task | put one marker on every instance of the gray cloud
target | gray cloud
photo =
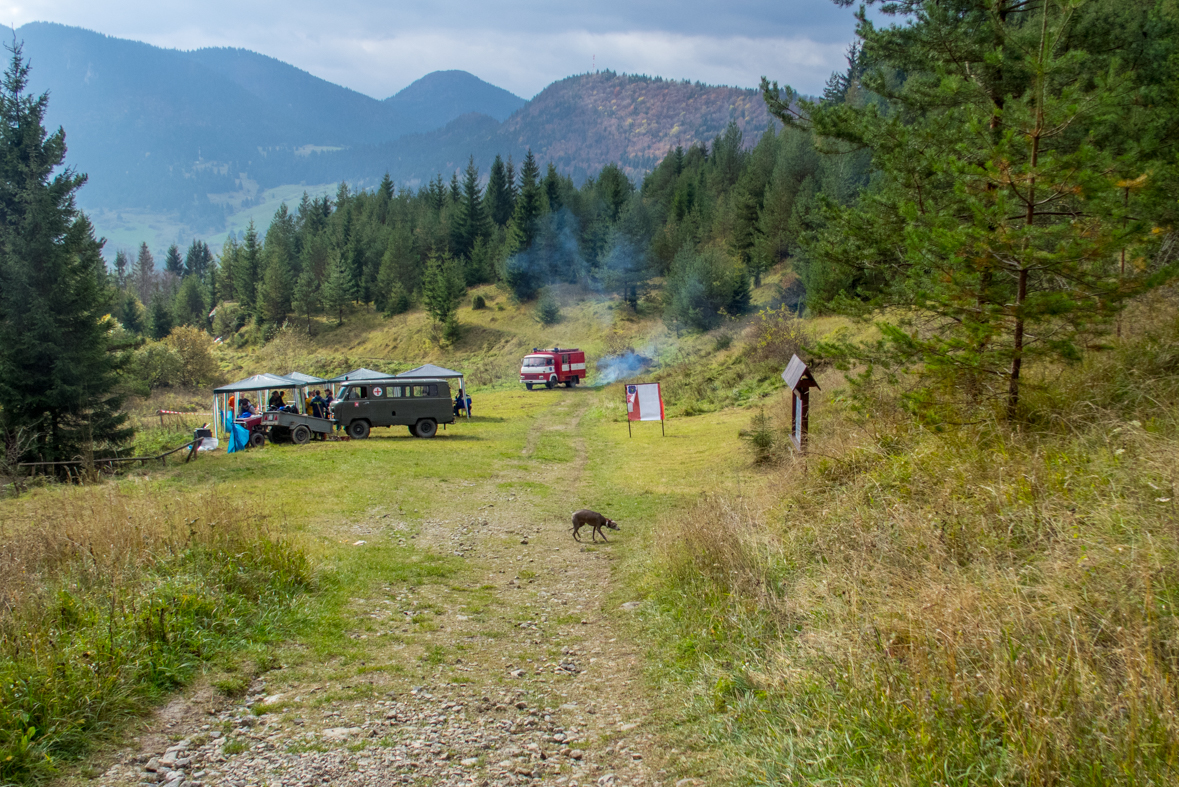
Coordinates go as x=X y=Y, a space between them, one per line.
x=522 y=45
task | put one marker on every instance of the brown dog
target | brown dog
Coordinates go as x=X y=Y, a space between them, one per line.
x=595 y=520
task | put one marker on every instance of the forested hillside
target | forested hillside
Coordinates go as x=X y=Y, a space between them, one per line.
x=708 y=221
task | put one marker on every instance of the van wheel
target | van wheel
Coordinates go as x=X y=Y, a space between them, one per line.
x=427 y=427
x=413 y=430
x=257 y=440
x=528 y=386
x=301 y=435
x=358 y=430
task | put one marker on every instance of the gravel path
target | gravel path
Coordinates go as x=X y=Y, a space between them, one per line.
x=517 y=672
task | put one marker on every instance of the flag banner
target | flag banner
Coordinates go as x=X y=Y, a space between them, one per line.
x=644 y=402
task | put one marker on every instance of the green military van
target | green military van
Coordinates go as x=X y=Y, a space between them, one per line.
x=420 y=404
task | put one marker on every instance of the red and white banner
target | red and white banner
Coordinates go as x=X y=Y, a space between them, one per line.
x=644 y=402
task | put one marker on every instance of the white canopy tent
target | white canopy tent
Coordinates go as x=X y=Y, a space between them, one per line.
x=265 y=383
x=438 y=372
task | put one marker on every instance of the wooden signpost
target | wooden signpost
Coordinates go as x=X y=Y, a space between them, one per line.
x=800 y=381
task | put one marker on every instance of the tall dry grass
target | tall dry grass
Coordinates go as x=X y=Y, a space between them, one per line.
x=111 y=595
x=991 y=605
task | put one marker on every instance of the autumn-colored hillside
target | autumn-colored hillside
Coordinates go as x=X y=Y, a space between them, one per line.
x=584 y=122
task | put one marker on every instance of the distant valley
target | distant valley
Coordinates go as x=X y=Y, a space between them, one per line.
x=180 y=144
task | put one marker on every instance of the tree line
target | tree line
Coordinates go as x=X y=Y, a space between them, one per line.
x=710 y=219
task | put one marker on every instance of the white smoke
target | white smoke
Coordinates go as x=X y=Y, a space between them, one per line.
x=613 y=368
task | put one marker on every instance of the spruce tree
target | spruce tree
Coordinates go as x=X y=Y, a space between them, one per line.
x=122 y=269
x=173 y=262
x=246 y=270
x=442 y=291
x=470 y=221
x=159 y=317
x=190 y=306
x=278 y=284
x=339 y=290
x=57 y=374
x=199 y=260
x=498 y=199
x=143 y=274
x=306 y=298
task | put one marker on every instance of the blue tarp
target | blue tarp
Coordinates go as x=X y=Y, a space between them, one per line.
x=237 y=437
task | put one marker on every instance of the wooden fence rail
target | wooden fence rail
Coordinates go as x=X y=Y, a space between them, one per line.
x=110 y=463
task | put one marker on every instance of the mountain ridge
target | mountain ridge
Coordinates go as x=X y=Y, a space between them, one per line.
x=197 y=134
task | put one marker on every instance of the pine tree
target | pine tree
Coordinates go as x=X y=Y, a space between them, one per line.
x=122 y=266
x=339 y=290
x=246 y=270
x=57 y=374
x=159 y=317
x=442 y=291
x=143 y=274
x=190 y=307
x=199 y=260
x=173 y=262
x=497 y=201
x=528 y=207
x=230 y=254
x=470 y=222
x=1001 y=198
x=306 y=297
x=522 y=273
x=456 y=191
x=278 y=284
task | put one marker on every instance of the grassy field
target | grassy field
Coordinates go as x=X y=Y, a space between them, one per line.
x=992 y=604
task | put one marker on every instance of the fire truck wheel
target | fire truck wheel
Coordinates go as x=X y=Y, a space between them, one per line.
x=358 y=430
x=552 y=383
x=257 y=440
x=569 y=383
x=528 y=386
x=301 y=435
x=427 y=427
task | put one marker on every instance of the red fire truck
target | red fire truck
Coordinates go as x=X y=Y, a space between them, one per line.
x=552 y=367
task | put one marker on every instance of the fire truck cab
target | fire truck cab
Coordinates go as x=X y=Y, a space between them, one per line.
x=552 y=367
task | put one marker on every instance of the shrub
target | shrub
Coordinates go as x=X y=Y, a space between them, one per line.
x=478 y=302
x=156 y=365
x=195 y=349
x=704 y=286
x=760 y=437
x=548 y=311
x=228 y=319
x=399 y=300
x=775 y=336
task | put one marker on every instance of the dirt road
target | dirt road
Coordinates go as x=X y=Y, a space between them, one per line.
x=514 y=669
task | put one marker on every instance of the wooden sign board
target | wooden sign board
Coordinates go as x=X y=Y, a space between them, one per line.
x=800 y=381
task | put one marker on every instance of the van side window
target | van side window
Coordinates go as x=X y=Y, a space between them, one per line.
x=421 y=390
x=362 y=392
x=393 y=391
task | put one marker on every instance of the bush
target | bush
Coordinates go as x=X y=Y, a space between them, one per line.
x=704 y=286
x=548 y=311
x=399 y=300
x=761 y=437
x=777 y=335
x=156 y=365
x=195 y=349
x=478 y=302
x=228 y=319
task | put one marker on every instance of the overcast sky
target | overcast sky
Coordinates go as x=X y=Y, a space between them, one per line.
x=378 y=47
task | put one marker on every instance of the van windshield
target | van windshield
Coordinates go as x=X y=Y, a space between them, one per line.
x=537 y=362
